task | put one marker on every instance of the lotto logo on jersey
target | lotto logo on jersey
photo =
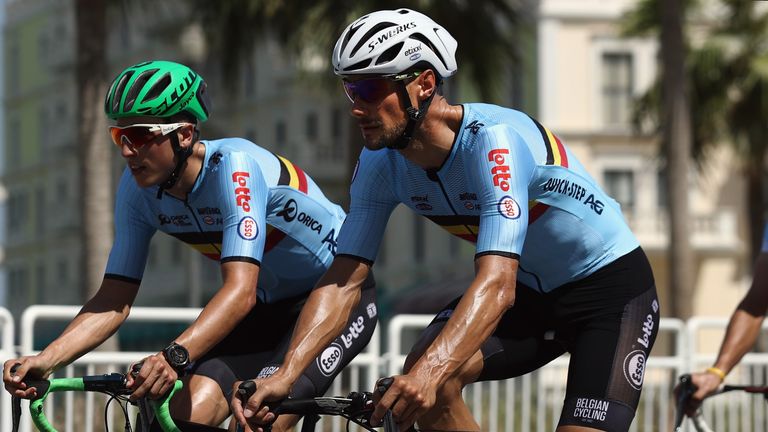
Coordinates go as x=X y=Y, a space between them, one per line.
x=509 y=208
x=247 y=228
x=329 y=359
x=242 y=193
x=500 y=169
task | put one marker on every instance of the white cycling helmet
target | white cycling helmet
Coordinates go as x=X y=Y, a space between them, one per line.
x=390 y=42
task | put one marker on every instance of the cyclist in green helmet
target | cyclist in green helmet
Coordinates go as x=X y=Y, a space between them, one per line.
x=236 y=203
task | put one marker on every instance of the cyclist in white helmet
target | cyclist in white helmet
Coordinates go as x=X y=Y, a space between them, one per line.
x=557 y=268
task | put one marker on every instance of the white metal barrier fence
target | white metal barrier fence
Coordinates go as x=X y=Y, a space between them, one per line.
x=357 y=375
x=533 y=402
x=737 y=411
x=529 y=403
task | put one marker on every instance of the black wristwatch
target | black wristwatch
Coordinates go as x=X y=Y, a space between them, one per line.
x=177 y=356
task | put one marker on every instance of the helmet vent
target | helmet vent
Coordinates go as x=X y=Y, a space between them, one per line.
x=157 y=88
x=389 y=54
x=352 y=30
x=136 y=88
x=423 y=39
x=359 y=65
x=118 y=95
x=375 y=29
x=202 y=97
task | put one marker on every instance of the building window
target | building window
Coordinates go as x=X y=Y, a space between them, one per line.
x=617 y=88
x=41 y=294
x=14 y=144
x=19 y=293
x=280 y=135
x=43 y=48
x=14 y=64
x=311 y=126
x=337 y=145
x=44 y=133
x=17 y=210
x=620 y=185
x=336 y=123
x=40 y=212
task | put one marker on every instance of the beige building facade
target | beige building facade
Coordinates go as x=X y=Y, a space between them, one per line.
x=588 y=76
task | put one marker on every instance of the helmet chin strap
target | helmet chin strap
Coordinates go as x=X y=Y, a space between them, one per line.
x=414 y=116
x=181 y=154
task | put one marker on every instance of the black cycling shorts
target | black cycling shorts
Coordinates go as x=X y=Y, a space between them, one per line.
x=608 y=323
x=257 y=346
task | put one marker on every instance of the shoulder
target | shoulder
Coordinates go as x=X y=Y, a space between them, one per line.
x=489 y=126
x=230 y=154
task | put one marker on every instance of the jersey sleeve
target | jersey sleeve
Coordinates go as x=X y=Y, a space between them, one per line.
x=133 y=233
x=503 y=167
x=243 y=195
x=372 y=202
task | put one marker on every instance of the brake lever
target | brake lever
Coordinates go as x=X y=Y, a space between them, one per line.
x=686 y=391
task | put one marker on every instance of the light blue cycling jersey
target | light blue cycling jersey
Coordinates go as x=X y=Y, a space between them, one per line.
x=247 y=205
x=510 y=186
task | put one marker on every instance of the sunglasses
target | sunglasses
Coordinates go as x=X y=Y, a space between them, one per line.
x=137 y=136
x=373 y=90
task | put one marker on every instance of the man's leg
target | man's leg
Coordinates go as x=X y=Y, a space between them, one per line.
x=518 y=346
x=200 y=401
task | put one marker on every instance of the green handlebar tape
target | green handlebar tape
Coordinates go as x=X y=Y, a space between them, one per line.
x=161 y=407
x=36 y=406
x=162 y=411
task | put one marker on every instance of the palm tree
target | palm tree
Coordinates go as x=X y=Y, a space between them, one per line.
x=668 y=104
x=676 y=124
x=728 y=77
x=95 y=154
x=489 y=41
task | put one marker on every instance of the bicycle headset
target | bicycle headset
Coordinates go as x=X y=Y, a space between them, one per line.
x=390 y=42
x=160 y=89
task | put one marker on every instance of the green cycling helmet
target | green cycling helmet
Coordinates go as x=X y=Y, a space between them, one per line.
x=157 y=89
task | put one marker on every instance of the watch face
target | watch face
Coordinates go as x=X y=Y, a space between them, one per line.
x=177 y=356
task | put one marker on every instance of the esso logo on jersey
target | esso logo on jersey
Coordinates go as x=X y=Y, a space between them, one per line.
x=634 y=368
x=500 y=169
x=247 y=228
x=509 y=208
x=242 y=193
x=329 y=359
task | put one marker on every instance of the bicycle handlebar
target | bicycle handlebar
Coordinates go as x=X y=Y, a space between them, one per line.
x=356 y=407
x=113 y=383
x=687 y=389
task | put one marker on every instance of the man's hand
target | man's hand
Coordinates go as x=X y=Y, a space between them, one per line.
x=706 y=384
x=409 y=397
x=254 y=413
x=155 y=378
x=33 y=367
